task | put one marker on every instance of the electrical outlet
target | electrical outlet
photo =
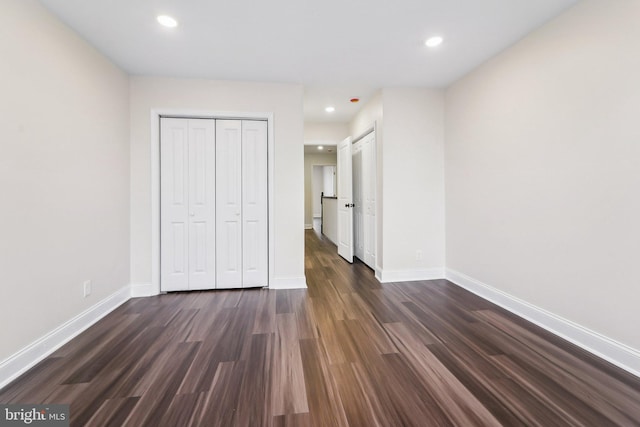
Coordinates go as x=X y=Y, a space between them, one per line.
x=418 y=255
x=86 y=287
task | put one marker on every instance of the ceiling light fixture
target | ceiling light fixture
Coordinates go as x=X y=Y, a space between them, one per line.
x=167 y=21
x=434 y=41
x=320 y=147
x=330 y=109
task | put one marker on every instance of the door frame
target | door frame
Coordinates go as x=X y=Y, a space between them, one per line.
x=156 y=114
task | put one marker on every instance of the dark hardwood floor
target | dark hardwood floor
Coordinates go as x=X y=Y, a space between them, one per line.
x=346 y=352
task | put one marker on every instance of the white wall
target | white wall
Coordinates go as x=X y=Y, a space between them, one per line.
x=283 y=100
x=413 y=184
x=317 y=184
x=325 y=133
x=542 y=170
x=309 y=161
x=64 y=174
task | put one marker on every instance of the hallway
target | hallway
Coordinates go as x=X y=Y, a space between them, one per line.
x=347 y=351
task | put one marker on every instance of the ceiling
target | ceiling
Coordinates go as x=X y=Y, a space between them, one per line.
x=338 y=49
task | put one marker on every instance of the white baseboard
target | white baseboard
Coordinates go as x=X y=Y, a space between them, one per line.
x=308 y=226
x=17 y=364
x=608 y=349
x=409 y=275
x=288 y=283
x=143 y=290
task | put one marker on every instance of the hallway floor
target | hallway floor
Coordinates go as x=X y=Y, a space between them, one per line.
x=347 y=351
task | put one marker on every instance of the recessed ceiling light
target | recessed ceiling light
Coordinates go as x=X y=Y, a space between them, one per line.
x=330 y=109
x=434 y=41
x=320 y=147
x=167 y=21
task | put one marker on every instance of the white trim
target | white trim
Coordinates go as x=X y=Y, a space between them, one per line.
x=365 y=133
x=388 y=276
x=378 y=273
x=155 y=180
x=608 y=349
x=143 y=290
x=308 y=227
x=289 y=283
x=17 y=364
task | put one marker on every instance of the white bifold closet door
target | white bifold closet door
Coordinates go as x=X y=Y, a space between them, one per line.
x=369 y=198
x=364 y=198
x=213 y=204
x=358 y=211
x=187 y=204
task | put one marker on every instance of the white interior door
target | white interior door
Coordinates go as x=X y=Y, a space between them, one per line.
x=345 y=200
x=254 y=204
x=229 y=203
x=187 y=225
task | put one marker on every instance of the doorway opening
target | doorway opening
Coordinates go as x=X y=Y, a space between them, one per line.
x=323 y=185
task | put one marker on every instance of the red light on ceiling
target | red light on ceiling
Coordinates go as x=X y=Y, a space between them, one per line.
x=354 y=100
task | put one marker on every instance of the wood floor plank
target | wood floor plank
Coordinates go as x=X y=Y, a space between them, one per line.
x=325 y=406
x=113 y=412
x=152 y=405
x=220 y=407
x=254 y=408
x=347 y=351
x=288 y=393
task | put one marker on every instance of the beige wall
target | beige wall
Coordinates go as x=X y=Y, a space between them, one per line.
x=413 y=183
x=410 y=170
x=309 y=161
x=542 y=170
x=64 y=174
x=283 y=100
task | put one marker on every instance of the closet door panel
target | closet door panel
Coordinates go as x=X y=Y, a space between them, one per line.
x=254 y=203
x=369 y=198
x=229 y=203
x=202 y=208
x=174 y=205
